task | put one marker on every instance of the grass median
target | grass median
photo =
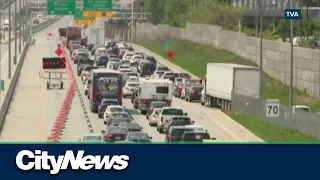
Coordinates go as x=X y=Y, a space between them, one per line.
x=44 y=24
x=194 y=57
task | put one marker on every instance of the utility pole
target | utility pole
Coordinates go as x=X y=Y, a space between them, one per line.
x=261 y=49
x=15 y=32
x=291 y=62
x=132 y=21
x=20 y=24
x=23 y=24
x=9 y=39
x=1 y=3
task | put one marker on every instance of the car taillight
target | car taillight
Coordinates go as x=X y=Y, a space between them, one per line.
x=94 y=97
x=126 y=88
x=109 y=136
x=170 y=138
x=169 y=101
x=151 y=109
x=193 y=93
x=154 y=116
x=145 y=101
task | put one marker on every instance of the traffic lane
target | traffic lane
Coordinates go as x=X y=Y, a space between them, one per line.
x=97 y=123
x=31 y=100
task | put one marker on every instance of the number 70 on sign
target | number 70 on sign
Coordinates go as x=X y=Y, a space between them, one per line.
x=272 y=108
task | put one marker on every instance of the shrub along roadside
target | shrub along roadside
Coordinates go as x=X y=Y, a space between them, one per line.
x=194 y=57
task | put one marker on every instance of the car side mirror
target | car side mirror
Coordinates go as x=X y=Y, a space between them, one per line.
x=141 y=127
x=193 y=122
x=79 y=140
x=206 y=130
x=214 y=138
x=186 y=114
x=167 y=121
x=103 y=131
x=150 y=137
x=105 y=123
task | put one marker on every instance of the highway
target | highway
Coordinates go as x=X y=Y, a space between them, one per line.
x=78 y=125
x=24 y=121
x=33 y=108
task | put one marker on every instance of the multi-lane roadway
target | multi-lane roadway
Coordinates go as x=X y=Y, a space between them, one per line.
x=34 y=109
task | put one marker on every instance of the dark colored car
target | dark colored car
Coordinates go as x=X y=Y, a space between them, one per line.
x=80 y=55
x=175 y=133
x=116 y=118
x=114 y=133
x=147 y=68
x=132 y=127
x=139 y=137
x=177 y=121
x=102 y=61
x=81 y=67
x=151 y=59
x=104 y=105
x=163 y=68
x=85 y=61
x=184 y=75
x=155 y=104
x=193 y=93
x=195 y=136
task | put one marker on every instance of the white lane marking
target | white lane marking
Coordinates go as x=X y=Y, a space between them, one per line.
x=5 y=57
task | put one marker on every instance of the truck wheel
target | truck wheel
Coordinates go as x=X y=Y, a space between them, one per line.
x=48 y=85
x=143 y=112
x=202 y=103
x=61 y=85
x=160 y=130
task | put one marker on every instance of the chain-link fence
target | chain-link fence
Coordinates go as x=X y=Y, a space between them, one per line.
x=305 y=122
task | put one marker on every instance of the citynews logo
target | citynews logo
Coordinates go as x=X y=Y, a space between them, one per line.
x=41 y=160
x=292 y=14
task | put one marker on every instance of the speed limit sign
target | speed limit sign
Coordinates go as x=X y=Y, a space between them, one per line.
x=272 y=107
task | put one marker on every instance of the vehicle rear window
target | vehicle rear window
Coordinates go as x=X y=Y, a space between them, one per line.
x=120 y=116
x=151 y=59
x=195 y=137
x=179 y=132
x=116 y=109
x=184 y=75
x=181 y=121
x=132 y=74
x=120 y=130
x=111 y=102
x=138 y=136
x=159 y=105
x=172 y=111
x=197 y=89
x=89 y=68
x=162 y=90
x=132 y=85
x=130 y=125
x=92 y=138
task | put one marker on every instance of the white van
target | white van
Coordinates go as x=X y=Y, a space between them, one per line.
x=153 y=90
x=5 y=25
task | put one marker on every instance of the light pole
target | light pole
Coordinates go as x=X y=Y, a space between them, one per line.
x=291 y=62
x=9 y=39
x=15 y=32
x=261 y=49
x=20 y=24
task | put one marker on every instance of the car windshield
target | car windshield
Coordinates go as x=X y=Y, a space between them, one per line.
x=184 y=75
x=92 y=138
x=116 y=109
x=133 y=84
x=180 y=121
x=110 y=102
x=172 y=111
x=179 y=132
x=163 y=68
x=197 y=89
x=138 y=136
x=89 y=68
x=159 y=105
x=130 y=125
x=195 y=137
x=198 y=129
x=82 y=54
x=115 y=130
x=120 y=116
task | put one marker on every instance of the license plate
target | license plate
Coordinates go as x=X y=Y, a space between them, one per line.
x=118 y=138
x=198 y=137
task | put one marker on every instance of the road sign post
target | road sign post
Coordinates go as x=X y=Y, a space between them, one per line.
x=98 y=8
x=272 y=108
x=61 y=7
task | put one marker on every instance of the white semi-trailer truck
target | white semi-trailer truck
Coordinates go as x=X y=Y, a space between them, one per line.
x=223 y=79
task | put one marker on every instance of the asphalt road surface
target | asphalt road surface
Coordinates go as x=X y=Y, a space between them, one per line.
x=34 y=108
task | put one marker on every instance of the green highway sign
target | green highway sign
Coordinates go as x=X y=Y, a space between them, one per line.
x=61 y=7
x=79 y=15
x=97 y=5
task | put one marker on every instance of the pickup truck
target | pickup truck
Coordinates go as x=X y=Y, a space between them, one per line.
x=165 y=115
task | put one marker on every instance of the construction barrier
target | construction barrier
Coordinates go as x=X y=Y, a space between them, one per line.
x=60 y=121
